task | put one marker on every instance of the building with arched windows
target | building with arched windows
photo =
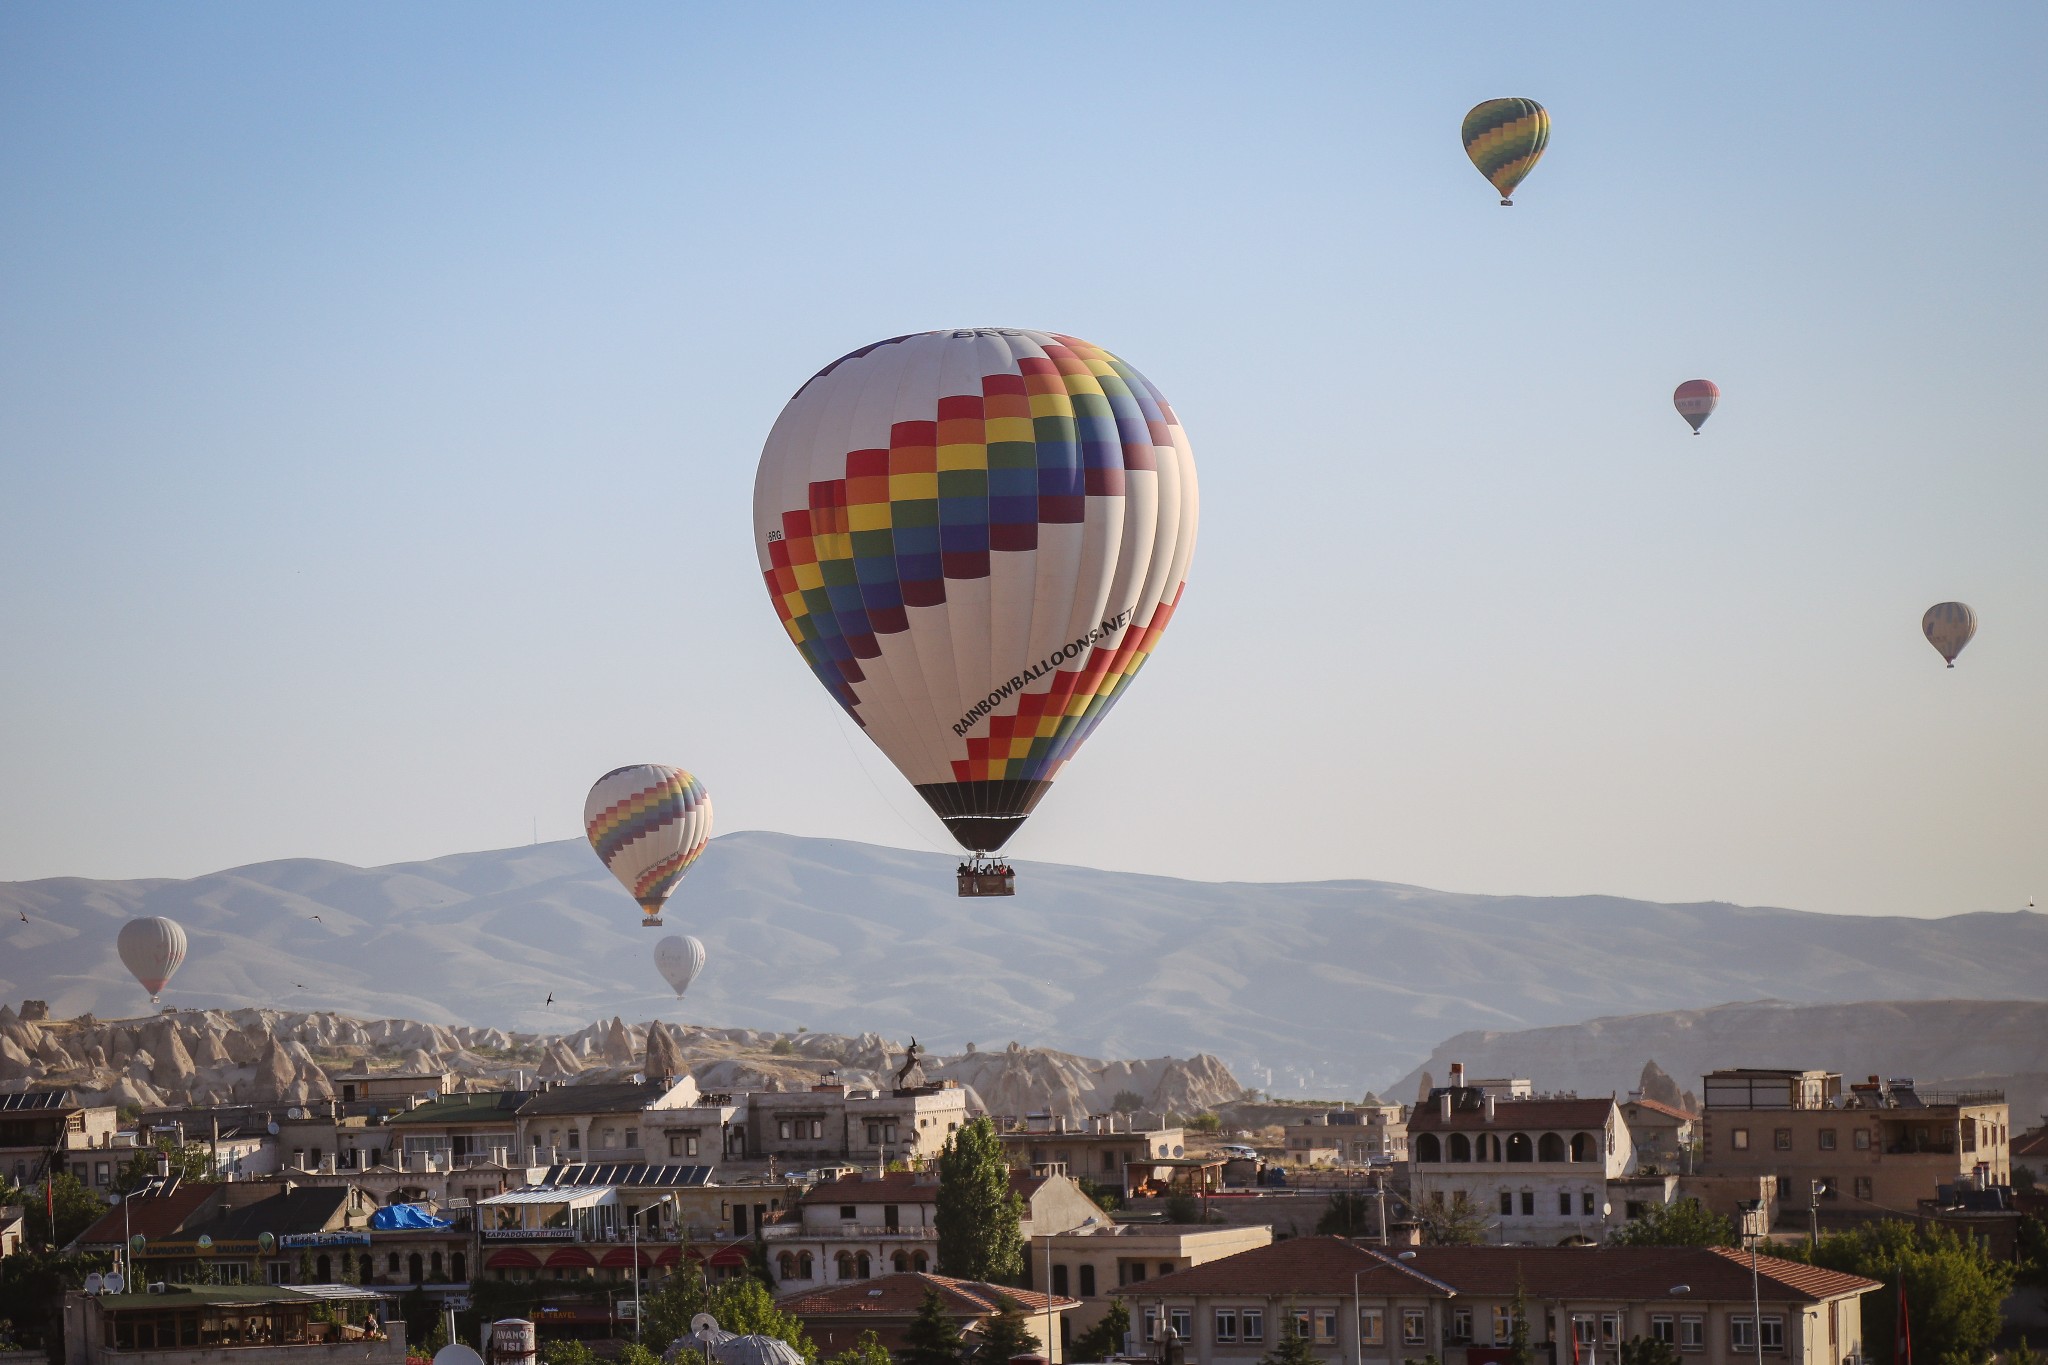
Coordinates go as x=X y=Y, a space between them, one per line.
x=1535 y=1172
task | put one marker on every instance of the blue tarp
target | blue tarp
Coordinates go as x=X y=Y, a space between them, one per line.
x=405 y=1217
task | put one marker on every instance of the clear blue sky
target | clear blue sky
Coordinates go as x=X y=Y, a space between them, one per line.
x=381 y=388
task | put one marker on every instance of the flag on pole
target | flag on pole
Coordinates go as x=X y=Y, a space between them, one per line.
x=1902 y=1349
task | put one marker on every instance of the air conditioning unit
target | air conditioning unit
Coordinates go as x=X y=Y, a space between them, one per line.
x=158 y=1288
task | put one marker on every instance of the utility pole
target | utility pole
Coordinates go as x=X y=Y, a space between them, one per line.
x=1813 y=1215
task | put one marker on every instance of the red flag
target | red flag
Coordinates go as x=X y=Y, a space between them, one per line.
x=1575 y=1342
x=1902 y=1349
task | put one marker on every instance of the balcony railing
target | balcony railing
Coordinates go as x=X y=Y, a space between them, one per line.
x=848 y=1232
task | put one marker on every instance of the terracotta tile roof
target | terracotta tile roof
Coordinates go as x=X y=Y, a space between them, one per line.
x=1299 y=1265
x=151 y=1215
x=1659 y=1107
x=2033 y=1143
x=1324 y=1266
x=1528 y=1115
x=902 y=1294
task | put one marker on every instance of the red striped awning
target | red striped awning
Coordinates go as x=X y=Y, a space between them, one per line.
x=621 y=1258
x=512 y=1258
x=731 y=1254
x=570 y=1257
x=669 y=1256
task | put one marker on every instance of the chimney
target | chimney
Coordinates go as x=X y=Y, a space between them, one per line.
x=1457 y=1075
x=1443 y=1105
x=1489 y=1106
x=163 y=1164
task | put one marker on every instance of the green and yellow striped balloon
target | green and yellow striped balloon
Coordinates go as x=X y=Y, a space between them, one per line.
x=1505 y=138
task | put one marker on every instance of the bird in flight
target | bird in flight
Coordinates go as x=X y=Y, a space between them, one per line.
x=300 y=984
x=551 y=1000
x=316 y=919
x=24 y=914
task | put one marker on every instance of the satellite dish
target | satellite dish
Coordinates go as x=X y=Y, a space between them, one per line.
x=273 y=1127
x=1180 y=1151
x=295 y=1113
x=457 y=1354
x=95 y=1283
x=703 y=1323
x=113 y=1281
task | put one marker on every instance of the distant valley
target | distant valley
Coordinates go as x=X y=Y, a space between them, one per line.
x=1319 y=988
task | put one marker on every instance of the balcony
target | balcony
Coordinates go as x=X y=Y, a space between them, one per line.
x=847 y=1232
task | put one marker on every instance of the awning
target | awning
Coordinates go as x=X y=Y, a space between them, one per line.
x=669 y=1256
x=512 y=1258
x=570 y=1257
x=733 y=1254
x=621 y=1258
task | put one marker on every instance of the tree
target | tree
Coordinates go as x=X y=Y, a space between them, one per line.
x=978 y=1213
x=1007 y=1334
x=1350 y=1213
x=1520 y=1352
x=1644 y=1351
x=1451 y=1225
x=1290 y=1344
x=567 y=1351
x=745 y=1307
x=419 y=1311
x=1953 y=1287
x=1184 y=1208
x=1206 y=1122
x=32 y=1285
x=665 y=1314
x=1105 y=1196
x=932 y=1338
x=867 y=1349
x=1126 y=1102
x=633 y=1353
x=1686 y=1223
x=78 y=1208
x=1105 y=1338
x=2032 y=1249
x=191 y=1162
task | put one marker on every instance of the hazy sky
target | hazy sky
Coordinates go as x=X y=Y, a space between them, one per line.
x=381 y=388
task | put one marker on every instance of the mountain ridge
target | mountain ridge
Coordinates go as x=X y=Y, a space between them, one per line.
x=1322 y=986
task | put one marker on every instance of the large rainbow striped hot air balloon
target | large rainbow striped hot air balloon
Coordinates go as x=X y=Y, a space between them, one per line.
x=648 y=823
x=1505 y=139
x=975 y=538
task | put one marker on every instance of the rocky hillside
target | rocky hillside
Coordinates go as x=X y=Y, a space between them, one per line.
x=1320 y=988
x=185 y=1057
x=1943 y=1044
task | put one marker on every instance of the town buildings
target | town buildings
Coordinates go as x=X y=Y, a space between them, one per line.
x=1102 y=1260
x=1375 y=1133
x=1875 y=1151
x=837 y=1316
x=830 y=1124
x=42 y=1128
x=1098 y=1150
x=1455 y=1304
x=329 y=1325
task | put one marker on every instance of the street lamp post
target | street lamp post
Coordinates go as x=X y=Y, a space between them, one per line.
x=1752 y=1224
x=665 y=1199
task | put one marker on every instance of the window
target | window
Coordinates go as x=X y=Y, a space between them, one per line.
x=1135 y=1272
x=1564 y=1202
x=817 y=1128
x=782 y=1129
x=1610 y=1328
x=1528 y=1203
x=1503 y=1324
x=1738 y=1139
x=1109 y=1161
x=1411 y=1327
x=1692 y=1332
x=1741 y=1334
x=1252 y=1323
x=1583 y=1328
x=874 y=1135
x=1860 y=1139
x=888 y=1132
x=575 y=1140
x=1151 y=1324
x=1372 y=1327
x=1586 y=1203
x=1774 y=1332
x=1461 y=1328
x=1226 y=1324
x=1507 y=1204
x=99 y=1173
x=1781 y=1139
x=632 y=1137
x=1663 y=1328
x=1862 y=1188
x=1181 y=1322
x=1059 y=1276
x=1827 y=1139
x=1326 y=1325
x=1166 y=1267
x=846 y=1213
x=1087 y=1281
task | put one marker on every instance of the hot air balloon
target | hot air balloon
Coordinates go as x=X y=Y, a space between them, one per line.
x=975 y=538
x=648 y=823
x=1948 y=626
x=151 y=949
x=1696 y=400
x=1505 y=139
x=679 y=958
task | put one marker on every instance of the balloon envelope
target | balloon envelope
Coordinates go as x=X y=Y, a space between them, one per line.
x=648 y=823
x=1696 y=400
x=1949 y=626
x=151 y=950
x=1505 y=139
x=679 y=958
x=975 y=538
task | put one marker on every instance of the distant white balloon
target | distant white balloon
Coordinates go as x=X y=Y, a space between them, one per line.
x=679 y=958
x=151 y=948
